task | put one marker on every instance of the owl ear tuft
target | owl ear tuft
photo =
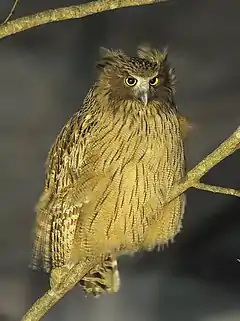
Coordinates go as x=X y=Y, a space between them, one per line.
x=104 y=52
x=165 y=53
x=153 y=55
x=108 y=57
x=144 y=50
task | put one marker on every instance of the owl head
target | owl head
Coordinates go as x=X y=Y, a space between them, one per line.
x=144 y=78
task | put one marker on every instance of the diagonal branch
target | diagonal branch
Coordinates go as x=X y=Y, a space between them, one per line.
x=217 y=189
x=51 y=297
x=66 y=13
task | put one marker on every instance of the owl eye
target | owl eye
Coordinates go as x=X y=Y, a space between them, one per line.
x=154 y=81
x=130 y=81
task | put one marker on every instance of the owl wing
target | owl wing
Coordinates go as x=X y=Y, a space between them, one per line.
x=56 y=221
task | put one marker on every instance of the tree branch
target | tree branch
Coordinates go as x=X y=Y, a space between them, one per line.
x=71 y=12
x=51 y=297
x=217 y=189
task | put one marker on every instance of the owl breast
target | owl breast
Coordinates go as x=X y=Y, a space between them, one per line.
x=129 y=169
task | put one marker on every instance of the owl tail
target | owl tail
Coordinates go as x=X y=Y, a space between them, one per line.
x=103 y=278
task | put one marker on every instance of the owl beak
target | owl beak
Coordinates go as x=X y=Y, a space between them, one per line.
x=143 y=96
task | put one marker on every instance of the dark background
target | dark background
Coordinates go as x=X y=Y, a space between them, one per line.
x=44 y=75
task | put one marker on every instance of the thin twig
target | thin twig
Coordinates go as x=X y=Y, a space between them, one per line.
x=217 y=189
x=11 y=12
x=71 y=12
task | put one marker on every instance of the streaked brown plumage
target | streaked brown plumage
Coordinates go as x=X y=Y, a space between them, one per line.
x=111 y=168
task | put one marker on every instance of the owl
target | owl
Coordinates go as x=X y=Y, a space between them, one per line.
x=111 y=169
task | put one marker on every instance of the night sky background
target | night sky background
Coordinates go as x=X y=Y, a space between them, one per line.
x=44 y=75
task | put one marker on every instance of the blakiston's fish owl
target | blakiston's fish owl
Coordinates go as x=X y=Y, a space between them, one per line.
x=111 y=168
